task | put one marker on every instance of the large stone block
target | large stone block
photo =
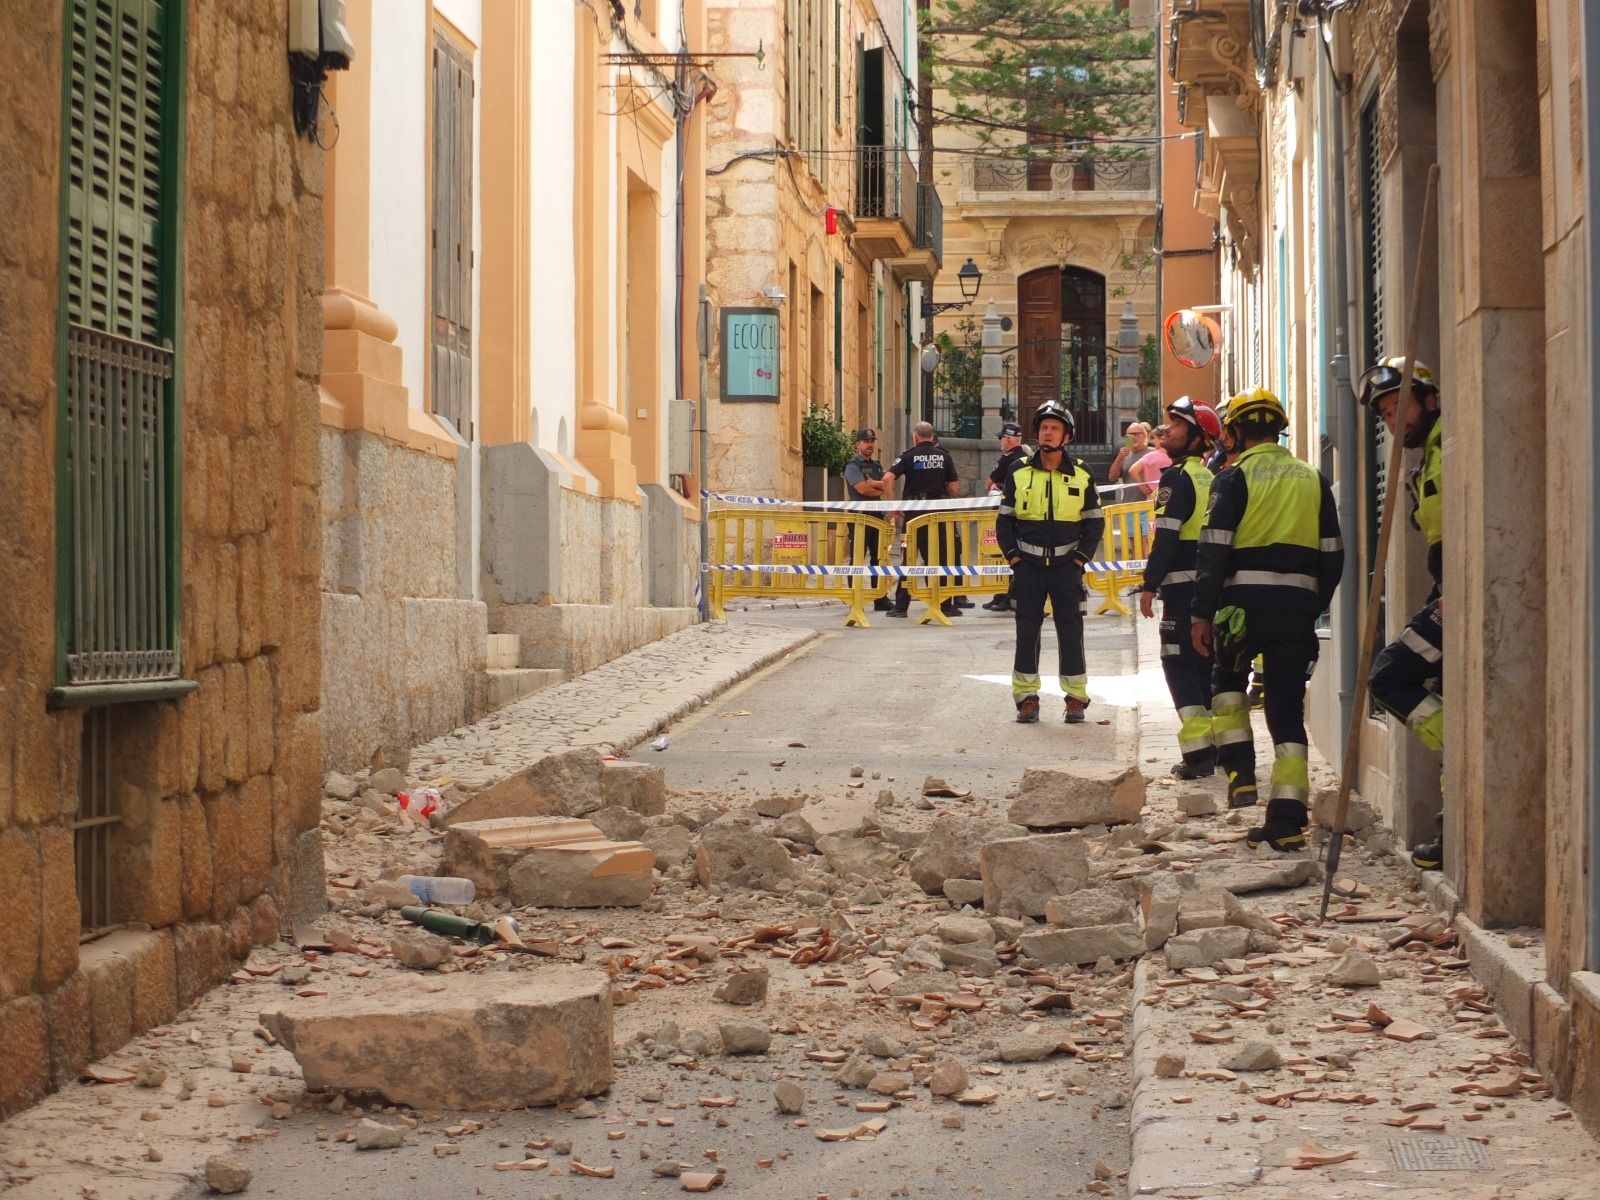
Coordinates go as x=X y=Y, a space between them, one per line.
x=222 y=821
x=202 y=960
x=567 y=784
x=639 y=786
x=261 y=707
x=155 y=976
x=1085 y=944
x=24 y=1054
x=255 y=837
x=66 y=1013
x=1206 y=947
x=1090 y=906
x=108 y=971
x=1078 y=794
x=558 y=862
x=952 y=847
x=835 y=816
x=197 y=865
x=236 y=717
x=1022 y=875
x=147 y=865
x=19 y=949
x=732 y=855
x=58 y=895
x=482 y=1042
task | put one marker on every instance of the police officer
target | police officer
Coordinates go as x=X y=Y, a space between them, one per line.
x=1181 y=501
x=930 y=474
x=1407 y=676
x=863 y=477
x=1048 y=527
x=1012 y=451
x=1269 y=560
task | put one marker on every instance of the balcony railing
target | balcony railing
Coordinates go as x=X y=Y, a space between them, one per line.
x=930 y=220
x=1055 y=176
x=886 y=185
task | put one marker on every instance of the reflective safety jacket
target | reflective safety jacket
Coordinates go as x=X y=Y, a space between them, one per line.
x=1181 y=505
x=1427 y=499
x=1272 y=536
x=1047 y=516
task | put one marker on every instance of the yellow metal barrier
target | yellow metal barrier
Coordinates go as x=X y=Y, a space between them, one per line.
x=1129 y=531
x=764 y=536
x=945 y=539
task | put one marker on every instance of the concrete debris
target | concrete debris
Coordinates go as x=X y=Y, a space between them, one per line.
x=743 y=987
x=790 y=1097
x=340 y=787
x=963 y=891
x=1355 y=968
x=952 y=848
x=837 y=816
x=565 y=784
x=387 y=781
x=639 y=787
x=948 y=1078
x=865 y=859
x=779 y=805
x=226 y=1176
x=745 y=1037
x=958 y=930
x=1359 y=816
x=1022 y=875
x=1090 y=906
x=1026 y=1047
x=389 y=893
x=1053 y=797
x=976 y=958
x=374 y=1135
x=1207 y=947
x=1159 y=901
x=1237 y=912
x=618 y=823
x=879 y=1046
x=588 y=873
x=1243 y=877
x=1055 y=947
x=1170 y=1065
x=935 y=786
x=419 y=951
x=1253 y=1056
x=673 y=845
x=489 y=853
x=1198 y=804
x=482 y=1041
x=733 y=854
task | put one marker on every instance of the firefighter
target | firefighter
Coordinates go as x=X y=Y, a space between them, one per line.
x=1408 y=675
x=1048 y=528
x=1269 y=560
x=1192 y=428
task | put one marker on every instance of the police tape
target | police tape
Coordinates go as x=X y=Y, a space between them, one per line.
x=1091 y=568
x=958 y=503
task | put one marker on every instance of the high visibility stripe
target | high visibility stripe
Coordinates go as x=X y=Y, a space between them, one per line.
x=1195 y=732
x=1217 y=537
x=1007 y=509
x=1030 y=548
x=1230 y=718
x=1178 y=577
x=1419 y=645
x=1426 y=720
x=1332 y=543
x=1291 y=776
x=1024 y=685
x=1168 y=523
x=1076 y=685
x=1271 y=579
x=1171 y=650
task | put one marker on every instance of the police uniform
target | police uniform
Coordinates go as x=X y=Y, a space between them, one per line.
x=1181 y=504
x=928 y=469
x=860 y=468
x=1048 y=527
x=1271 y=551
x=1408 y=676
x=1007 y=462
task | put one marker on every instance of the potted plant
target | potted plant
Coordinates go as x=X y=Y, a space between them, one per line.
x=958 y=381
x=825 y=448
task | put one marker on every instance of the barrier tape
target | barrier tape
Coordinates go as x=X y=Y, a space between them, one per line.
x=1093 y=568
x=991 y=500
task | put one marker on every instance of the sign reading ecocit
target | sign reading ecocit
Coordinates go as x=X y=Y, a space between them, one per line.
x=750 y=354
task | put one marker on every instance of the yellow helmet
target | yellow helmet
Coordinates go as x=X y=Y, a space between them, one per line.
x=1258 y=408
x=1385 y=376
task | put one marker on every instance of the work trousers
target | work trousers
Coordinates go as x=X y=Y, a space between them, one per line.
x=1062 y=584
x=1408 y=676
x=1286 y=640
x=1188 y=677
x=902 y=598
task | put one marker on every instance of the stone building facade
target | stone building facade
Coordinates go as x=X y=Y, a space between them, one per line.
x=160 y=723
x=815 y=220
x=1325 y=168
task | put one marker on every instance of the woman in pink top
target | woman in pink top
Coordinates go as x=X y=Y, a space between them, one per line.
x=1147 y=471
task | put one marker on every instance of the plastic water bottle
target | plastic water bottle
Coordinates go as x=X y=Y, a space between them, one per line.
x=437 y=889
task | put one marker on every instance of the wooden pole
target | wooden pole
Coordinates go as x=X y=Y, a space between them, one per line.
x=1391 y=497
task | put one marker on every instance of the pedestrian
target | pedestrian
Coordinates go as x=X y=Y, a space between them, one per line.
x=1049 y=527
x=1269 y=560
x=930 y=474
x=1135 y=445
x=1408 y=675
x=1012 y=451
x=1148 y=470
x=1181 y=504
x=863 y=476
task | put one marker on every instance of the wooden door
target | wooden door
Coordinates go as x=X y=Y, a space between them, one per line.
x=1038 y=341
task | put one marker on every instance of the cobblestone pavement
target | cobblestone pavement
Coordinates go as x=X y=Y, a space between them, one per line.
x=1201 y=1130
x=614 y=706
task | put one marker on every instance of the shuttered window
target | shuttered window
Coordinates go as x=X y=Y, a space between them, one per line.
x=451 y=370
x=1376 y=441
x=118 y=516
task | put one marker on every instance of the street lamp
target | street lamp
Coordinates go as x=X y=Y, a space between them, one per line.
x=971 y=280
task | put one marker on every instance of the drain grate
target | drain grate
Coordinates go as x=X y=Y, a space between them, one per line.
x=1438 y=1154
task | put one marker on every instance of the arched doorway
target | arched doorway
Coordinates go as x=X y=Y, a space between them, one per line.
x=1061 y=347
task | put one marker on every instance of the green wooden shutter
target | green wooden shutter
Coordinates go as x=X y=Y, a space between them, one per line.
x=117 y=508
x=452 y=235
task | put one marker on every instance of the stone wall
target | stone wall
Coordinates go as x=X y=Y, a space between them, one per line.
x=402 y=650
x=217 y=792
